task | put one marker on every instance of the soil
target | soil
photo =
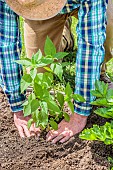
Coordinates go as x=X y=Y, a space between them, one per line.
x=37 y=154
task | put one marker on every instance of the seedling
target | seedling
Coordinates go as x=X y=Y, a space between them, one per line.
x=45 y=109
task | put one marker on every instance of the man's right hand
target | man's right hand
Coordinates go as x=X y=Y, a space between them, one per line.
x=21 y=123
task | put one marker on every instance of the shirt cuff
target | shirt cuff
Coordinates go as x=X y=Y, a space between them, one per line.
x=82 y=108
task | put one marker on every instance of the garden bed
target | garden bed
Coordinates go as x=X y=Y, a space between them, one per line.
x=37 y=154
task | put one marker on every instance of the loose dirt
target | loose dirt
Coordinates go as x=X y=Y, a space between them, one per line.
x=36 y=154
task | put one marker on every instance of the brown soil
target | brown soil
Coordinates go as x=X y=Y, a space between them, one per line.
x=34 y=154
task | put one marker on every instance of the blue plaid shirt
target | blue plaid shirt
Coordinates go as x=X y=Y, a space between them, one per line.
x=91 y=31
x=70 y=6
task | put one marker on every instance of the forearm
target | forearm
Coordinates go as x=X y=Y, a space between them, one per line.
x=91 y=36
x=10 y=48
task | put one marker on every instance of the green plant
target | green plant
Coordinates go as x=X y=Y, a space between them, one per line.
x=104 y=100
x=46 y=109
x=110 y=159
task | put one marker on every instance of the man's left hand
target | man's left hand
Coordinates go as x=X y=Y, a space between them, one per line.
x=67 y=129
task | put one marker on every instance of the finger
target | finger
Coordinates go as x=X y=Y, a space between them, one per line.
x=26 y=131
x=20 y=131
x=59 y=137
x=65 y=139
x=22 y=121
x=32 y=128
x=51 y=135
x=32 y=133
x=37 y=130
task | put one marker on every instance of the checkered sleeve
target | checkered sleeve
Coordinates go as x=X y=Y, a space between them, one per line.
x=10 y=47
x=70 y=6
x=91 y=36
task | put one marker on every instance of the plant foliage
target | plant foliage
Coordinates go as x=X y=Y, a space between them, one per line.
x=44 y=108
x=104 y=101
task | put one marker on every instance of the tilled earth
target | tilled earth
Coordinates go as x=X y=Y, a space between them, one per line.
x=37 y=154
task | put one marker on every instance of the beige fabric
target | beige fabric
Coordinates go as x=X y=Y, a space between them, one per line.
x=109 y=36
x=37 y=31
x=36 y=9
x=67 y=40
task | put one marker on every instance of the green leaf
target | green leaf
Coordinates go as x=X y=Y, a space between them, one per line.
x=96 y=93
x=60 y=98
x=46 y=95
x=53 y=124
x=57 y=69
x=34 y=116
x=103 y=133
x=109 y=95
x=53 y=106
x=33 y=73
x=44 y=107
x=38 y=79
x=110 y=160
x=25 y=82
x=64 y=64
x=24 y=62
x=100 y=102
x=78 y=98
x=101 y=87
x=60 y=55
x=111 y=109
x=67 y=98
x=105 y=87
x=47 y=80
x=71 y=106
x=27 y=110
x=36 y=57
x=104 y=112
x=48 y=69
x=66 y=117
x=108 y=141
x=87 y=134
x=31 y=97
x=38 y=90
x=49 y=48
x=43 y=119
x=98 y=131
x=27 y=78
x=25 y=103
x=34 y=105
x=68 y=90
x=29 y=123
x=45 y=61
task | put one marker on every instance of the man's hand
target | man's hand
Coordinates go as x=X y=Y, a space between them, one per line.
x=67 y=129
x=21 y=123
